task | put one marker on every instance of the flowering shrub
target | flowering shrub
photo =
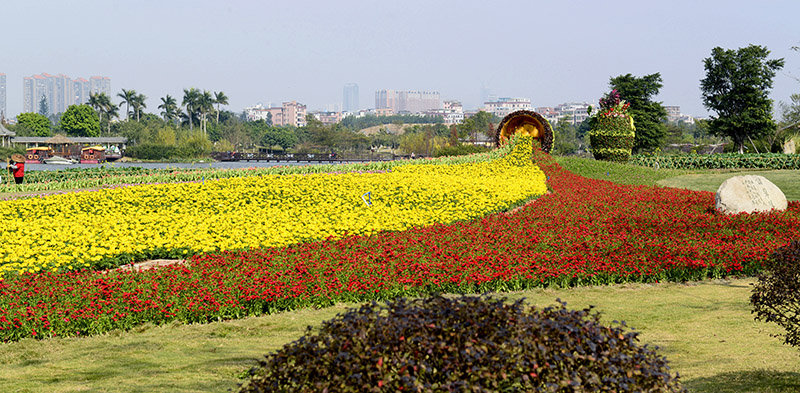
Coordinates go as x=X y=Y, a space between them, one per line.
x=612 y=134
x=582 y=233
x=113 y=226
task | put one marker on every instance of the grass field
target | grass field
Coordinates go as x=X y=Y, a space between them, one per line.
x=705 y=330
x=787 y=180
x=699 y=180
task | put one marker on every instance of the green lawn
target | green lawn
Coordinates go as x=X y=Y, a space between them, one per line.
x=787 y=180
x=701 y=180
x=705 y=330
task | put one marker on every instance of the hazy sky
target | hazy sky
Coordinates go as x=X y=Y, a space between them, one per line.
x=269 y=51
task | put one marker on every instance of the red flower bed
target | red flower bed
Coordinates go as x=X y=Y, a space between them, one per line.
x=585 y=232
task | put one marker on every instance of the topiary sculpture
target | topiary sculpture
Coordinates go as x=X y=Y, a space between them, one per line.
x=612 y=131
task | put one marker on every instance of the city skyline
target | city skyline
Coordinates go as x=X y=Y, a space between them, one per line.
x=466 y=50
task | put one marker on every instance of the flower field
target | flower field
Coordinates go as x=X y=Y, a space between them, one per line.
x=110 y=227
x=585 y=232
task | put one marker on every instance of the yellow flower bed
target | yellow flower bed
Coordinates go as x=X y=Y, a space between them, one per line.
x=77 y=230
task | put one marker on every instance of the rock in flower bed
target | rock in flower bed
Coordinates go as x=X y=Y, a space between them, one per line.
x=585 y=232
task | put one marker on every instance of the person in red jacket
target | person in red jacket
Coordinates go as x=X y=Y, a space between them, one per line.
x=17 y=167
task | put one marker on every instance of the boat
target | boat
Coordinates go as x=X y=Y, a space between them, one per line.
x=57 y=160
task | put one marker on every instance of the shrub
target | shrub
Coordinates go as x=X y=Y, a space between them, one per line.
x=776 y=294
x=720 y=161
x=460 y=150
x=148 y=151
x=464 y=344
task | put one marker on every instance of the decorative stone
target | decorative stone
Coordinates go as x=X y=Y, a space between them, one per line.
x=748 y=194
x=789 y=147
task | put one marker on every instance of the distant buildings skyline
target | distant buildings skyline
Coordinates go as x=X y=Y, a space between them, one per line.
x=59 y=91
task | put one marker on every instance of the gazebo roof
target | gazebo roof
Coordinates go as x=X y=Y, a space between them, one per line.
x=5 y=132
x=59 y=140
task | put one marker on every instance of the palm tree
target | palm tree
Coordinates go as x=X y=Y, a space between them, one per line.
x=170 y=108
x=205 y=104
x=220 y=99
x=138 y=103
x=103 y=105
x=190 y=98
x=95 y=101
x=111 y=110
x=128 y=98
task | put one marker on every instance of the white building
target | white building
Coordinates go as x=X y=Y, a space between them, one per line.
x=505 y=105
x=452 y=113
x=577 y=112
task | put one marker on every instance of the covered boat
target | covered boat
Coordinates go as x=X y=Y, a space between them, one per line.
x=93 y=155
x=35 y=155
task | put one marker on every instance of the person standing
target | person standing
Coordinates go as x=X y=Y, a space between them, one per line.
x=17 y=167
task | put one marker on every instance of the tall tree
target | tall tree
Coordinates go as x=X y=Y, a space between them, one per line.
x=190 y=97
x=736 y=87
x=649 y=116
x=80 y=120
x=43 y=109
x=220 y=99
x=169 y=108
x=205 y=104
x=128 y=98
x=138 y=103
x=35 y=123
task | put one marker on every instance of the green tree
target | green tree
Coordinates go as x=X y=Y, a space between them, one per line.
x=128 y=98
x=43 y=108
x=169 y=108
x=205 y=104
x=190 y=98
x=482 y=122
x=736 y=87
x=649 y=116
x=220 y=99
x=80 y=120
x=37 y=124
x=280 y=136
x=566 y=137
x=138 y=103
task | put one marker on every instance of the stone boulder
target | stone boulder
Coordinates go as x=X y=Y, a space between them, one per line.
x=790 y=147
x=748 y=194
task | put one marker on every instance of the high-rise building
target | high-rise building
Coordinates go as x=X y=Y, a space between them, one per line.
x=80 y=91
x=408 y=101
x=350 y=98
x=100 y=84
x=3 y=113
x=59 y=91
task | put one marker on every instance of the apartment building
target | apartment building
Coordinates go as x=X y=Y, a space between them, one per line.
x=505 y=105
x=408 y=102
x=59 y=91
x=291 y=113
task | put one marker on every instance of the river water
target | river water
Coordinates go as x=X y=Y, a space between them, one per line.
x=175 y=165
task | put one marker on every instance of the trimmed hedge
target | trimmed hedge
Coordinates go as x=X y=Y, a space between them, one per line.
x=464 y=344
x=720 y=161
